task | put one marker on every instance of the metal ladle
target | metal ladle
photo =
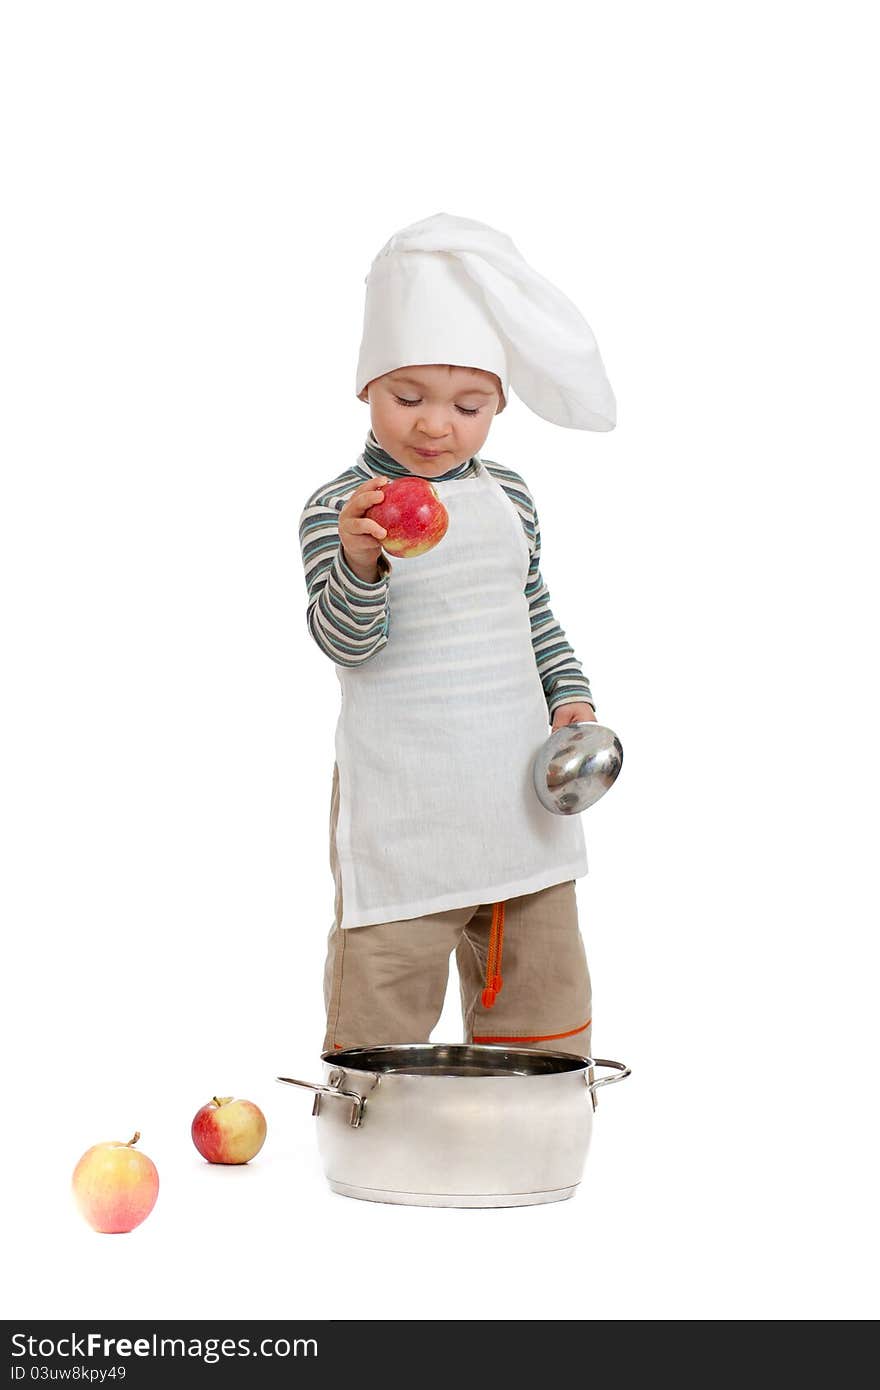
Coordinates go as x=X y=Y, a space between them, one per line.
x=576 y=766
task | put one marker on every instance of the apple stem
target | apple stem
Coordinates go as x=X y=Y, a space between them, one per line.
x=134 y=1139
x=221 y=1100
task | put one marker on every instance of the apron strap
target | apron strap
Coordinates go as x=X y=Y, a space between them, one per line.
x=494 y=981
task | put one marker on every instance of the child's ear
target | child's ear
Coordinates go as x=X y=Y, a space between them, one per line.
x=496 y=380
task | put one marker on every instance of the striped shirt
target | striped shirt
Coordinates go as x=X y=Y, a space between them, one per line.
x=350 y=619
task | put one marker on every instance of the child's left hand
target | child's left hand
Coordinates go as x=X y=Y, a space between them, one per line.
x=572 y=714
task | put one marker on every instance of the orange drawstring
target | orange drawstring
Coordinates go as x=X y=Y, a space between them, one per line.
x=494 y=981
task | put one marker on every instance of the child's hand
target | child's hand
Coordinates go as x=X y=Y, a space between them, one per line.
x=360 y=537
x=573 y=714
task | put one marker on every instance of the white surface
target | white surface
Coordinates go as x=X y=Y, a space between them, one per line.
x=196 y=191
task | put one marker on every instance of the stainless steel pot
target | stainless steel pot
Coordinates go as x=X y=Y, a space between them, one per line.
x=455 y=1125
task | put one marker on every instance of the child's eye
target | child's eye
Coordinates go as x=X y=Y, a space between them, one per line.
x=401 y=400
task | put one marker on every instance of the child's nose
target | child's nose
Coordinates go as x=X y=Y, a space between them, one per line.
x=435 y=422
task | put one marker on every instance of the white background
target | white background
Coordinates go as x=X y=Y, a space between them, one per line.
x=194 y=193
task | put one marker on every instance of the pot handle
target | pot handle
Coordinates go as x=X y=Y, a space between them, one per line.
x=623 y=1071
x=356 y=1101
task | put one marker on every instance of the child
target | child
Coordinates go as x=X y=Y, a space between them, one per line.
x=451 y=662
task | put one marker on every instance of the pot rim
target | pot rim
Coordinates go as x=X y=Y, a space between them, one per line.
x=368 y=1061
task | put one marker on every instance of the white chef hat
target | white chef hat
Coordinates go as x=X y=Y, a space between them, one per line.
x=451 y=290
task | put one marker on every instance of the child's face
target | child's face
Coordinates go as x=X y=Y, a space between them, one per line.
x=444 y=410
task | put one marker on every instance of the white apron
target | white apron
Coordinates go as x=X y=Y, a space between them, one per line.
x=437 y=732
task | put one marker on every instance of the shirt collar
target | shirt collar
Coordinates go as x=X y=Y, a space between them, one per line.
x=378 y=462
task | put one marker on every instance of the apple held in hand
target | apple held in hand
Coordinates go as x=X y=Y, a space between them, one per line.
x=115 y=1186
x=412 y=514
x=229 y=1131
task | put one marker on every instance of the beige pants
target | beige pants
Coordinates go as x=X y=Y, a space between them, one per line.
x=387 y=983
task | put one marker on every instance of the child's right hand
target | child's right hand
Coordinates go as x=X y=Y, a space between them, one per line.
x=360 y=538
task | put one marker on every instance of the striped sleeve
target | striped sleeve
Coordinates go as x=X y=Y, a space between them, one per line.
x=561 y=673
x=347 y=617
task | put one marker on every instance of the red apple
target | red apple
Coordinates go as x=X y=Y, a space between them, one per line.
x=115 y=1186
x=413 y=516
x=229 y=1131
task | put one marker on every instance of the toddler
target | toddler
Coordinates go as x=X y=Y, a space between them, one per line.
x=452 y=664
